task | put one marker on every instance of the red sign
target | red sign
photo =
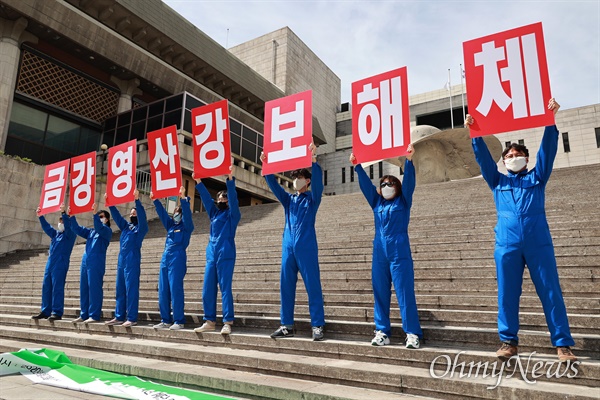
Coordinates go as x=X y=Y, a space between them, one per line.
x=120 y=182
x=288 y=133
x=507 y=81
x=380 y=119
x=83 y=183
x=165 y=166
x=54 y=187
x=212 y=147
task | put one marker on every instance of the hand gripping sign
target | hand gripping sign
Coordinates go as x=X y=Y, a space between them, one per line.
x=54 y=187
x=212 y=148
x=83 y=183
x=507 y=81
x=120 y=183
x=380 y=119
x=288 y=133
x=165 y=166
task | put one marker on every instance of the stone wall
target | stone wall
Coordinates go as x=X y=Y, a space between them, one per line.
x=20 y=188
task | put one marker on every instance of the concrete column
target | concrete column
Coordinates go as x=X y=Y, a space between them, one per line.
x=12 y=34
x=128 y=90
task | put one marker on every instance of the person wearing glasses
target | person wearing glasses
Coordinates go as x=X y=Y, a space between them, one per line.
x=523 y=237
x=392 y=260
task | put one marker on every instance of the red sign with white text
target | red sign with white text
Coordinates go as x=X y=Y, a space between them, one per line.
x=165 y=166
x=120 y=182
x=380 y=119
x=54 y=187
x=288 y=133
x=212 y=147
x=507 y=81
x=83 y=183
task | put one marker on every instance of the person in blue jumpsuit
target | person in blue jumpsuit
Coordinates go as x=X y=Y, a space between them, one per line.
x=173 y=265
x=93 y=263
x=299 y=247
x=523 y=238
x=220 y=254
x=59 y=255
x=128 y=266
x=392 y=260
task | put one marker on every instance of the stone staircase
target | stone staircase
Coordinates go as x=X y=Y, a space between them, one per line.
x=452 y=240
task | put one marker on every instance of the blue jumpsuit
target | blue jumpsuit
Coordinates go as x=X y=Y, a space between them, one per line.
x=173 y=264
x=299 y=248
x=220 y=252
x=523 y=237
x=59 y=254
x=392 y=260
x=130 y=259
x=93 y=265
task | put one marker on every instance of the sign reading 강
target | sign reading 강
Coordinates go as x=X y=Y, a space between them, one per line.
x=83 y=183
x=212 y=148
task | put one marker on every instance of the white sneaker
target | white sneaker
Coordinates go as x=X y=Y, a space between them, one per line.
x=412 y=341
x=90 y=320
x=226 y=330
x=206 y=326
x=380 y=339
x=162 y=325
x=176 y=326
x=77 y=320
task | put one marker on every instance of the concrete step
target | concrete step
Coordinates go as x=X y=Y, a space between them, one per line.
x=312 y=363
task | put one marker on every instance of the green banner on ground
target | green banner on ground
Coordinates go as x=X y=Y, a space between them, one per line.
x=51 y=367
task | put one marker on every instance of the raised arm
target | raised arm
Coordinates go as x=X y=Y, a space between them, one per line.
x=278 y=191
x=207 y=200
x=547 y=153
x=142 y=218
x=121 y=223
x=409 y=182
x=366 y=186
x=487 y=165
x=48 y=229
x=162 y=214
x=186 y=214
x=234 y=205
x=78 y=229
x=316 y=184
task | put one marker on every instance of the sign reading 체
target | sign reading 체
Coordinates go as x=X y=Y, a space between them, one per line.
x=54 y=187
x=507 y=81
x=212 y=148
x=165 y=166
x=120 y=183
x=380 y=118
x=83 y=183
x=288 y=133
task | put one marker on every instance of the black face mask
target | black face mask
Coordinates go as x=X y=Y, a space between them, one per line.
x=133 y=220
x=222 y=206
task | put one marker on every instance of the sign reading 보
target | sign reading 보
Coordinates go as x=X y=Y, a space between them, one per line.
x=54 y=187
x=288 y=133
x=83 y=183
x=212 y=147
x=380 y=119
x=165 y=166
x=120 y=183
x=507 y=81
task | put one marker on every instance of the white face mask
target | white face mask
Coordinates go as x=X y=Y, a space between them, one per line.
x=515 y=164
x=61 y=227
x=299 y=183
x=388 y=192
x=103 y=220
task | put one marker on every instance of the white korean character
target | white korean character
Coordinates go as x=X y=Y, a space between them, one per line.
x=286 y=135
x=162 y=157
x=221 y=126
x=122 y=167
x=53 y=189
x=83 y=182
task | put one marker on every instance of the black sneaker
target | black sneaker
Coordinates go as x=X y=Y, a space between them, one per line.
x=282 y=332
x=317 y=333
x=54 y=317
x=40 y=316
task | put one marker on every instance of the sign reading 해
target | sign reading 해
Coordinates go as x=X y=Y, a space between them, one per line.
x=380 y=118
